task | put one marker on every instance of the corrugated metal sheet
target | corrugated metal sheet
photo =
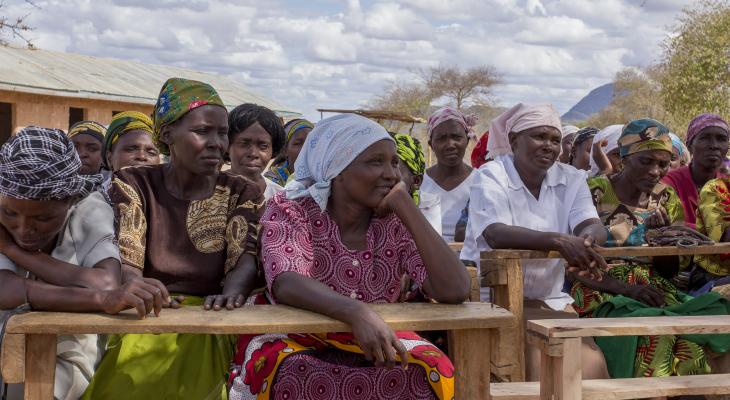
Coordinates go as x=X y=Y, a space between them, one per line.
x=75 y=75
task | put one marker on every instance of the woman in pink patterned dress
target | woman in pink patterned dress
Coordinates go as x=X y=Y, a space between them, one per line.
x=342 y=235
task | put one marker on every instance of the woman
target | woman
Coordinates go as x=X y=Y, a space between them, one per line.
x=340 y=236
x=57 y=226
x=680 y=154
x=605 y=159
x=130 y=141
x=580 y=151
x=255 y=135
x=283 y=168
x=629 y=203
x=707 y=140
x=449 y=180
x=713 y=214
x=566 y=143
x=87 y=137
x=527 y=200
x=412 y=166
x=192 y=228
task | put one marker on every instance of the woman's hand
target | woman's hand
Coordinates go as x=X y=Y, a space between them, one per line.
x=217 y=302
x=398 y=193
x=377 y=341
x=646 y=294
x=657 y=219
x=581 y=256
x=144 y=295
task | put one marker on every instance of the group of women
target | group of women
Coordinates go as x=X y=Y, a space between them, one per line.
x=332 y=216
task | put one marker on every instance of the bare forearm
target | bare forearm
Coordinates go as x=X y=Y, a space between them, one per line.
x=299 y=291
x=602 y=161
x=501 y=236
x=608 y=284
x=46 y=297
x=242 y=278
x=447 y=281
x=593 y=228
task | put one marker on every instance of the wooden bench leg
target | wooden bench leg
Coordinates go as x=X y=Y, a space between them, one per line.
x=470 y=350
x=511 y=297
x=40 y=366
x=560 y=375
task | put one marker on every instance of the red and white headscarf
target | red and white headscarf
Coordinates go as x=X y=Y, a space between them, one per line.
x=446 y=114
x=517 y=119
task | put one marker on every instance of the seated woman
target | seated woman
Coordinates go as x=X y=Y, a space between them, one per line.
x=340 y=236
x=130 y=141
x=605 y=159
x=566 y=143
x=680 y=154
x=283 y=167
x=629 y=203
x=192 y=228
x=527 y=200
x=580 y=151
x=57 y=250
x=708 y=138
x=449 y=180
x=713 y=215
x=87 y=137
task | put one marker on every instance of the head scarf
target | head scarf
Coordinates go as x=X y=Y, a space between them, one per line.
x=517 y=119
x=447 y=114
x=610 y=134
x=410 y=153
x=569 y=130
x=331 y=146
x=294 y=126
x=42 y=164
x=703 y=121
x=123 y=123
x=177 y=97
x=583 y=135
x=96 y=130
x=643 y=135
x=479 y=154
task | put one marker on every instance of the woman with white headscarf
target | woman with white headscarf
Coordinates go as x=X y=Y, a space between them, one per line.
x=529 y=201
x=604 y=158
x=341 y=235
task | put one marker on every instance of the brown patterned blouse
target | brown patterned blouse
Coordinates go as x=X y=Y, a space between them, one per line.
x=188 y=245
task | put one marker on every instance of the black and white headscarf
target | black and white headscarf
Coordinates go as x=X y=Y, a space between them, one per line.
x=42 y=164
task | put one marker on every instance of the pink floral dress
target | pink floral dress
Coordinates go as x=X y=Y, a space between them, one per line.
x=296 y=236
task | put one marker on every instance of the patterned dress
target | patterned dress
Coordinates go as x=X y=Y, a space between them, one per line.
x=713 y=219
x=655 y=355
x=297 y=236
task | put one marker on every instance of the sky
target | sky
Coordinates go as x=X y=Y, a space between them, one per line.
x=313 y=54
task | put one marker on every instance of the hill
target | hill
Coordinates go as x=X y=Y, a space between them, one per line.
x=592 y=103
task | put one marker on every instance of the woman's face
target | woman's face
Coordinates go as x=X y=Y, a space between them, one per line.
x=449 y=141
x=536 y=149
x=566 y=145
x=614 y=157
x=371 y=175
x=294 y=146
x=676 y=160
x=198 y=140
x=582 y=155
x=34 y=225
x=709 y=147
x=644 y=169
x=133 y=148
x=250 y=151
x=89 y=151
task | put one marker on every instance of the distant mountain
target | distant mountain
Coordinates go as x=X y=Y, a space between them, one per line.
x=594 y=102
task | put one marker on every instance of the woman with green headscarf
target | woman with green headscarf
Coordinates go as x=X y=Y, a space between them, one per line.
x=629 y=203
x=130 y=141
x=193 y=229
x=283 y=167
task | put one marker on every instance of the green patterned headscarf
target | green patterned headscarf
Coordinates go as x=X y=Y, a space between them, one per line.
x=122 y=123
x=177 y=97
x=410 y=153
x=643 y=135
x=294 y=126
x=94 y=129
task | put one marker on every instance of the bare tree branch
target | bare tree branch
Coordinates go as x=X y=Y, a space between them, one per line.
x=15 y=28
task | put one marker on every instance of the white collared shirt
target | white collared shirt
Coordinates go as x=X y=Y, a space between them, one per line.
x=502 y=197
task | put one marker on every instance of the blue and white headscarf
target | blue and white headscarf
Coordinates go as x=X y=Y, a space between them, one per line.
x=331 y=146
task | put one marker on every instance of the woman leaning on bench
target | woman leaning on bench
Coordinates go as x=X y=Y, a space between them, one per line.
x=528 y=201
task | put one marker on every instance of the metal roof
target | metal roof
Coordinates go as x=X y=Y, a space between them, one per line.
x=75 y=75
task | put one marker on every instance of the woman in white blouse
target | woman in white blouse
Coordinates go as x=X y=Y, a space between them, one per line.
x=528 y=201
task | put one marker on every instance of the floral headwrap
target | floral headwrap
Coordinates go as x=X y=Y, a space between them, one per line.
x=123 y=123
x=703 y=121
x=177 y=97
x=94 y=129
x=410 y=153
x=447 y=113
x=42 y=164
x=643 y=135
x=294 y=126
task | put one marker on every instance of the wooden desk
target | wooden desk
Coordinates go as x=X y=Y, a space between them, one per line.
x=470 y=327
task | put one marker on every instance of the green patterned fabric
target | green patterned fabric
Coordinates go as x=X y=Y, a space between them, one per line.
x=410 y=153
x=713 y=219
x=177 y=97
x=642 y=135
x=165 y=366
x=125 y=122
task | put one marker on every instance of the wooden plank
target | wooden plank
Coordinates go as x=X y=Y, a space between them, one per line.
x=262 y=319
x=631 y=388
x=470 y=354
x=493 y=273
x=12 y=358
x=474 y=292
x=642 y=251
x=457 y=246
x=567 y=372
x=40 y=366
x=584 y=327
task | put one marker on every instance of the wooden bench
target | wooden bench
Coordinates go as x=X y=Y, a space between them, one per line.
x=502 y=270
x=559 y=341
x=29 y=348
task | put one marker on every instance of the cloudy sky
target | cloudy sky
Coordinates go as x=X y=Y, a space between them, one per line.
x=340 y=53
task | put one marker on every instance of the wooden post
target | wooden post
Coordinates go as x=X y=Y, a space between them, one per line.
x=471 y=373
x=40 y=366
x=561 y=373
x=511 y=297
